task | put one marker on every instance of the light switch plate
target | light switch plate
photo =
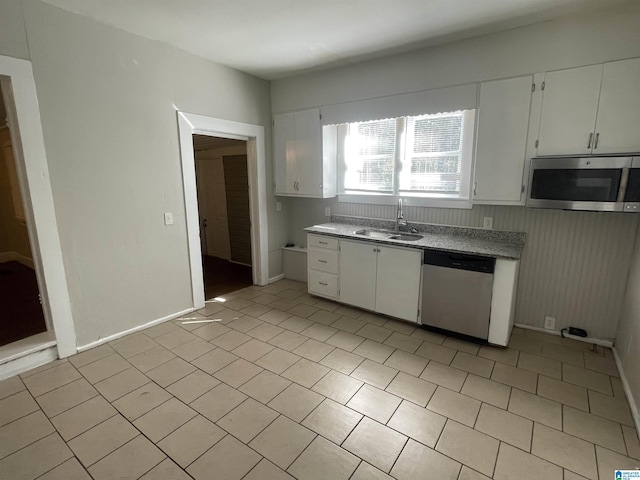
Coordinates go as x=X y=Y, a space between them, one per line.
x=279 y=206
x=487 y=223
x=327 y=211
x=168 y=218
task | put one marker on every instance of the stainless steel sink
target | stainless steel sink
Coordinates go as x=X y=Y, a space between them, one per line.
x=388 y=235
x=407 y=237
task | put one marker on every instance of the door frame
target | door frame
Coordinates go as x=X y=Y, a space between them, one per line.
x=27 y=138
x=190 y=124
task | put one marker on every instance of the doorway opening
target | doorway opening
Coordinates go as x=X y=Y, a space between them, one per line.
x=222 y=182
x=21 y=314
x=190 y=124
x=39 y=229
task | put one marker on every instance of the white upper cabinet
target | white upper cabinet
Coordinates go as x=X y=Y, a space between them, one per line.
x=591 y=110
x=303 y=168
x=501 y=142
x=618 y=122
x=569 y=109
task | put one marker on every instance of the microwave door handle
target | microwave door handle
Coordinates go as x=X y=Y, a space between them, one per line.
x=624 y=179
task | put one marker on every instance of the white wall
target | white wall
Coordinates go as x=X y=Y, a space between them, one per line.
x=567 y=42
x=13 y=38
x=628 y=338
x=569 y=269
x=108 y=103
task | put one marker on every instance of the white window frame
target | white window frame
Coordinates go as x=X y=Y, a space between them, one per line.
x=410 y=198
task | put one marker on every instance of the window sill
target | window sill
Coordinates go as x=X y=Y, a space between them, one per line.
x=408 y=200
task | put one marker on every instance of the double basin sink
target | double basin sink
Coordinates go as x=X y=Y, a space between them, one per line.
x=388 y=235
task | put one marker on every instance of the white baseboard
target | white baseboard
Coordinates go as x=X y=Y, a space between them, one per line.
x=17 y=257
x=596 y=341
x=115 y=336
x=635 y=413
x=276 y=278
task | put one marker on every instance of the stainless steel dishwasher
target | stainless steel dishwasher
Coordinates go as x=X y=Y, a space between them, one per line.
x=456 y=292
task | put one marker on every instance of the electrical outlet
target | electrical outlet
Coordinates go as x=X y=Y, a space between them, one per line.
x=549 y=323
x=327 y=211
x=168 y=218
x=279 y=206
x=487 y=223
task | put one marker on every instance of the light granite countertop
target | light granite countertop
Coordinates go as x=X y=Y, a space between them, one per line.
x=473 y=241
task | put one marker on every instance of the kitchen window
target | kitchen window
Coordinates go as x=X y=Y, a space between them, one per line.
x=425 y=156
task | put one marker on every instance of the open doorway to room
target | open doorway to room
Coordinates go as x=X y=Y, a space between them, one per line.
x=222 y=183
x=190 y=124
x=21 y=314
x=39 y=229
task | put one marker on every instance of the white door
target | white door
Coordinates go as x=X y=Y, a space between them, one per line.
x=285 y=151
x=503 y=122
x=309 y=153
x=212 y=208
x=619 y=108
x=358 y=273
x=569 y=108
x=398 y=282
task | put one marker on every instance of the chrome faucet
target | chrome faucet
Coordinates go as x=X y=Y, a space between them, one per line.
x=400 y=221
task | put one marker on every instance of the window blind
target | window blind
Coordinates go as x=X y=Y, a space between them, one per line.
x=370 y=148
x=433 y=160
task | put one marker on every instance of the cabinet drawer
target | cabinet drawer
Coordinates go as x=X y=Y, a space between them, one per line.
x=323 y=260
x=320 y=241
x=323 y=284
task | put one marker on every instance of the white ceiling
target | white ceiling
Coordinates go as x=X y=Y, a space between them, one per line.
x=278 y=38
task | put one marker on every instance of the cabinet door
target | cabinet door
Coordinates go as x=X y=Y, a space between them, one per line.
x=398 y=282
x=309 y=153
x=569 y=107
x=503 y=122
x=284 y=150
x=358 y=273
x=619 y=108
x=298 y=153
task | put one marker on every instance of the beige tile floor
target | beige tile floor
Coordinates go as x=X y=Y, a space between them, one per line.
x=288 y=385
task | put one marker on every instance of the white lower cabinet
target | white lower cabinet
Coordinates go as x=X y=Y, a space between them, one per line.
x=322 y=266
x=379 y=278
x=358 y=265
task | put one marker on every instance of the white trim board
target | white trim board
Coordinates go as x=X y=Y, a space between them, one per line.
x=28 y=361
x=19 y=91
x=190 y=124
x=28 y=353
x=596 y=341
x=276 y=278
x=635 y=413
x=115 y=336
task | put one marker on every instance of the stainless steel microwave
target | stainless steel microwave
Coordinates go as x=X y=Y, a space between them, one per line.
x=607 y=184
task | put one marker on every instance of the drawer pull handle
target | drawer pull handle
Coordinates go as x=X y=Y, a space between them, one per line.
x=322 y=261
x=323 y=284
x=323 y=243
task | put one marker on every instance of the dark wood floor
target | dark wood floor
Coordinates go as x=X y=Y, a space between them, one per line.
x=222 y=276
x=20 y=310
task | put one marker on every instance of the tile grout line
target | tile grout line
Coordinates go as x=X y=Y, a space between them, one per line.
x=563 y=406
